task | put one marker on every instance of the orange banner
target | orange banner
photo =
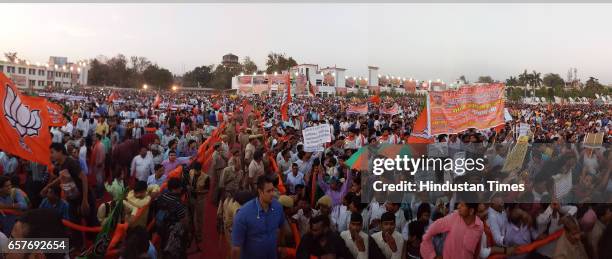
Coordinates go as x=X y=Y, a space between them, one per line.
x=479 y=107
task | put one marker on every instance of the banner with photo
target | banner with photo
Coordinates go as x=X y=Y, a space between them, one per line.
x=357 y=109
x=393 y=110
x=453 y=111
x=410 y=86
x=245 y=80
x=350 y=82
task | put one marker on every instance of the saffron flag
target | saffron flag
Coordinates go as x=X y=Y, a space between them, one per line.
x=420 y=134
x=54 y=110
x=375 y=99
x=112 y=97
x=56 y=117
x=357 y=109
x=24 y=124
x=157 y=101
x=286 y=99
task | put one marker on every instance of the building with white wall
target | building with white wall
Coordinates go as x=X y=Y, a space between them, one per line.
x=309 y=79
x=56 y=72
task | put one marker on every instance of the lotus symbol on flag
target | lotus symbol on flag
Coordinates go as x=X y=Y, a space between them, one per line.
x=25 y=122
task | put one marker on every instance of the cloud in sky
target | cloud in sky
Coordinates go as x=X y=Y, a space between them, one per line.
x=410 y=40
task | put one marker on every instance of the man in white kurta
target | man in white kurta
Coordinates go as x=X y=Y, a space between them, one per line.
x=355 y=239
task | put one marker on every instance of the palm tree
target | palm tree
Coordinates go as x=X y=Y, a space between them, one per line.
x=536 y=79
x=524 y=78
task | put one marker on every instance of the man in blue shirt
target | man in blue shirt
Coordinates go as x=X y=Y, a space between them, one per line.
x=257 y=224
x=54 y=201
x=10 y=201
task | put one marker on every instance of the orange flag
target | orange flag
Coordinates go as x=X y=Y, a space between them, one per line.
x=56 y=116
x=112 y=97
x=157 y=101
x=287 y=99
x=375 y=99
x=54 y=110
x=24 y=124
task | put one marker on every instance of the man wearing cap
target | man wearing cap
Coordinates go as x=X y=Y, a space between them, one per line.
x=256 y=168
x=230 y=178
x=355 y=239
x=249 y=150
x=243 y=137
x=230 y=132
x=225 y=145
x=286 y=239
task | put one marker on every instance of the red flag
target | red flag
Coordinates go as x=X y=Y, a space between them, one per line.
x=112 y=97
x=24 y=124
x=287 y=99
x=157 y=101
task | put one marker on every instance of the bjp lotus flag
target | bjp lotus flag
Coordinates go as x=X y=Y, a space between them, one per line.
x=24 y=124
x=54 y=110
x=56 y=117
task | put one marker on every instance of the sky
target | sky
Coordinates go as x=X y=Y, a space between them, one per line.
x=422 y=41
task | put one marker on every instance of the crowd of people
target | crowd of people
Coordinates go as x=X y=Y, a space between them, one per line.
x=275 y=199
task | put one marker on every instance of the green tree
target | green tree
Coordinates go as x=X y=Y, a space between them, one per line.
x=198 y=77
x=278 y=62
x=485 y=79
x=512 y=81
x=222 y=77
x=248 y=66
x=536 y=79
x=158 y=77
x=118 y=71
x=592 y=87
x=98 y=73
x=524 y=78
x=553 y=80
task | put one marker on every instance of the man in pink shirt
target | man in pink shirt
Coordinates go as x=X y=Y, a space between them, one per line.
x=463 y=230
